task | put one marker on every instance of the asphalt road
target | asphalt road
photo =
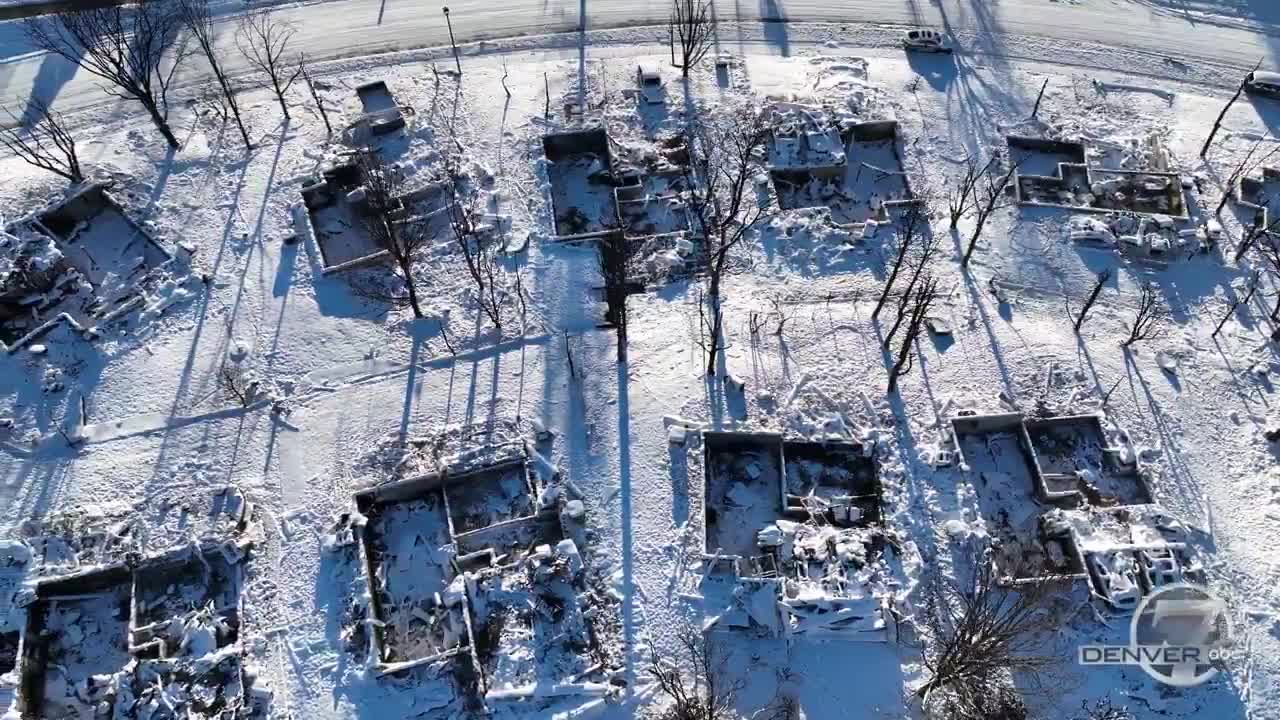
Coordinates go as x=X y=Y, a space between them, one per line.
x=329 y=29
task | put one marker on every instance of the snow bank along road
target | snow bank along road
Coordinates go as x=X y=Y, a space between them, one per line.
x=329 y=29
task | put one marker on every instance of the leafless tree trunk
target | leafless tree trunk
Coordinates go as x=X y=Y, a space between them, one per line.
x=237 y=384
x=388 y=222
x=611 y=251
x=1269 y=249
x=976 y=633
x=921 y=302
x=1204 y=150
x=1252 y=287
x=1247 y=165
x=1259 y=230
x=910 y=230
x=198 y=20
x=691 y=28
x=1150 y=318
x=44 y=142
x=124 y=46
x=311 y=87
x=695 y=680
x=724 y=154
x=777 y=302
x=928 y=246
x=479 y=249
x=963 y=198
x=263 y=40
x=1103 y=277
x=1036 y=110
x=991 y=196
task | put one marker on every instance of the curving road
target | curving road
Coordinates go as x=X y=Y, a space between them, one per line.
x=329 y=29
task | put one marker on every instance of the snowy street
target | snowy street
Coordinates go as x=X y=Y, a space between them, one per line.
x=330 y=29
x=336 y=407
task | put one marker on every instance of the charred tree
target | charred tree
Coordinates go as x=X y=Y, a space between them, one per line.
x=123 y=45
x=689 y=32
x=45 y=142
x=1247 y=165
x=724 y=154
x=264 y=40
x=1269 y=249
x=920 y=303
x=611 y=252
x=694 y=680
x=315 y=96
x=978 y=632
x=1149 y=320
x=1103 y=277
x=963 y=198
x=388 y=222
x=479 y=249
x=1204 y=150
x=928 y=245
x=1251 y=288
x=198 y=21
x=1035 y=111
x=909 y=231
x=992 y=195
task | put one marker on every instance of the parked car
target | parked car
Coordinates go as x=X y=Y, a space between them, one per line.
x=649 y=81
x=1260 y=82
x=926 y=41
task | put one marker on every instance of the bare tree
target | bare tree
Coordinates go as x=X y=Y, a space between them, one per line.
x=921 y=301
x=976 y=633
x=691 y=28
x=1103 y=277
x=479 y=248
x=1269 y=249
x=1035 y=111
x=1255 y=279
x=311 y=88
x=991 y=195
x=694 y=680
x=1248 y=163
x=611 y=251
x=909 y=230
x=388 y=222
x=724 y=153
x=126 y=46
x=1150 y=318
x=928 y=245
x=237 y=384
x=963 y=197
x=45 y=141
x=778 y=303
x=1204 y=150
x=263 y=40
x=198 y=21
x=1259 y=229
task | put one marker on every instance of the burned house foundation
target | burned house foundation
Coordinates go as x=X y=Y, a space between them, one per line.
x=136 y=637
x=797 y=525
x=469 y=568
x=1068 y=501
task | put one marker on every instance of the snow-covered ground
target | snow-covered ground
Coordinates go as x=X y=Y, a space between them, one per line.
x=160 y=441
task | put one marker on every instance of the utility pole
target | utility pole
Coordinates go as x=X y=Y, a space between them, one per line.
x=452 y=42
